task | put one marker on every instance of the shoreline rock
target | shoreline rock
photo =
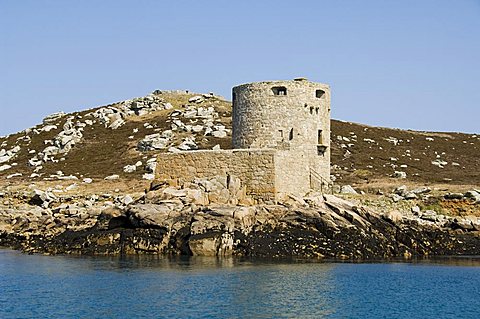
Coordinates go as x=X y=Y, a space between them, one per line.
x=318 y=226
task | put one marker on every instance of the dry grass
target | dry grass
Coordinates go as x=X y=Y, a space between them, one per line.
x=449 y=146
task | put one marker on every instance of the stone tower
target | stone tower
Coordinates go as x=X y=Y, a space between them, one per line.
x=292 y=117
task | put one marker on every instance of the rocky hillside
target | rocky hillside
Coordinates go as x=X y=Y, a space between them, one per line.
x=364 y=154
x=119 y=142
x=117 y=139
x=81 y=183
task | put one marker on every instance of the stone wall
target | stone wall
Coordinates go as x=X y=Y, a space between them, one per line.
x=255 y=168
x=291 y=181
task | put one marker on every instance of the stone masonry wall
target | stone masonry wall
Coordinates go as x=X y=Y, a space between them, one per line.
x=255 y=168
x=291 y=181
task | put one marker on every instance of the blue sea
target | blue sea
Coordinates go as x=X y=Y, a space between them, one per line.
x=37 y=286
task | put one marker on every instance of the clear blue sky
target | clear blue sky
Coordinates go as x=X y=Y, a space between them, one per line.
x=408 y=64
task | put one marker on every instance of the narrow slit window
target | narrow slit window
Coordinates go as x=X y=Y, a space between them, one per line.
x=280 y=135
x=319 y=93
x=290 y=136
x=279 y=90
x=320 y=138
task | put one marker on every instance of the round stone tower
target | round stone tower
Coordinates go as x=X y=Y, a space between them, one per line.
x=290 y=116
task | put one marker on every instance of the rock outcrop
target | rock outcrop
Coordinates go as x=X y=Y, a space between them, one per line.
x=185 y=221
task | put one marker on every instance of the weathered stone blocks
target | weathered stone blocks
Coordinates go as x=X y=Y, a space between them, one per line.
x=258 y=178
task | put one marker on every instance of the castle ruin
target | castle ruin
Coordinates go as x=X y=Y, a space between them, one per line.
x=280 y=142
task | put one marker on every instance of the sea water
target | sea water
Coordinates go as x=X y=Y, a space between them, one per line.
x=36 y=286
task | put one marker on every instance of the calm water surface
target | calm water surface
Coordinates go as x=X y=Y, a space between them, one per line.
x=34 y=286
